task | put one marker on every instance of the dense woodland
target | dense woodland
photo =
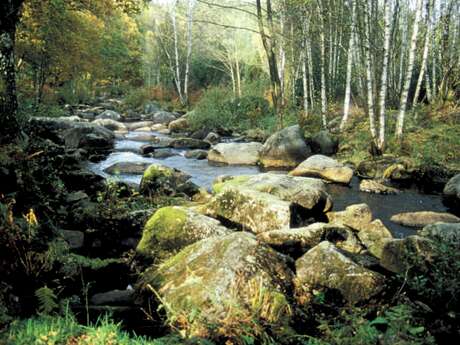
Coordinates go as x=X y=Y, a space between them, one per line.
x=88 y=256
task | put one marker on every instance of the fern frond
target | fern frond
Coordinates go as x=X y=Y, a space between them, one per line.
x=47 y=300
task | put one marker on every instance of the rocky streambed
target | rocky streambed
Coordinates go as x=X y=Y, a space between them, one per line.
x=203 y=173
x=248 y=243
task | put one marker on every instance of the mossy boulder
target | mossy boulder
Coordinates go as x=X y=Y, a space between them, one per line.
x=388 y=167
x=372 y=233
x=327 y=267
x=309 y=193
x=127 y=168
x=235 y=153
x=189 y=143
x=324 y=143
x=324 y=167
x=451 y=193
x=286 y=148
x=172 y=228
x=253 y=211
x=223 y=281
x=159 y=179
x=299 y=240
x=375 y=187
x=445 y=232
x=400 y=254
x=182 y=124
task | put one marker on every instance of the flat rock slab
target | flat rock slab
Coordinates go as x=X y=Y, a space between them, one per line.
x=372 y=186
x=423 y=218
x=127 y=168
x=235 y=153
x=324 y=167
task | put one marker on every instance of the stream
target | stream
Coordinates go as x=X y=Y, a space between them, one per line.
x=203 y=174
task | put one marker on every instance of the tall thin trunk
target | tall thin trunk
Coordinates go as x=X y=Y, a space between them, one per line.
x=369 y=79
x=384 y=81
x=177 y=77
x=323 y=69
x=425 y=53
x=282 y=58
x=408 y=76
x=238 y=75
x=346 y=103
x=189 y=48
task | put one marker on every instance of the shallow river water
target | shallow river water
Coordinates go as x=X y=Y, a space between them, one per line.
x=203 y=174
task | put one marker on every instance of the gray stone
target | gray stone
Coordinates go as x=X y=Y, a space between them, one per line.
x=324 y=167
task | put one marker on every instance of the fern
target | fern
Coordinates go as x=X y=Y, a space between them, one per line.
x=47 y=300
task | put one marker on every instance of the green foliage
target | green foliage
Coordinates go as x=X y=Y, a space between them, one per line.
x=47 y=330
x=47 y=300
x=395 y=325
x=137 y=97
x=218 y=109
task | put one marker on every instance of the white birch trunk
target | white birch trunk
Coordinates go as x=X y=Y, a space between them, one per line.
x=425 y=54
x=369 y=81
x=323 y=74
x=177 y=77
x=408 y=76
x=346 y=103
x=189 y=47
x=384 y=81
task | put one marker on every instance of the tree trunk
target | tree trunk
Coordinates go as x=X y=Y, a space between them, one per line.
x=425 y=53
x=9 y=17
x=189 y=48
x=346 y=103
x=369 y=79
x=384 y=81
x=177 y=77
x=408 y=76
x=323 y=69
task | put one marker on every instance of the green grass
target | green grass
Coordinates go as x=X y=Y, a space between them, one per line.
x=47 y=330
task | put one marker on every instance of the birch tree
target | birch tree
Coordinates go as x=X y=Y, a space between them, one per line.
x=384 y=81
x=346 y=103
x=408 y=75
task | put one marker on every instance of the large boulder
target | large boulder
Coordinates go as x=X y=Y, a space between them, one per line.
x=159 y=179
x=327 y=267
x=196 y=154
x=252 y=210
x=127 y=168
x=451 y=193
x=112 y=125
x=90 y=137
x=355 y=216
x=286 y=148
x=109 y=114
x=373 y=234
x=423 y=218
x=299 y=240
x=189 y=143
x=163 y=117
x=445 y=232
x=324 y=167
x=171 y=229
x=235 y=153
x=400 y=254
x=309 y=193
x=324 y=143
x=151 y=108
x=180 y=125
x=224 y=278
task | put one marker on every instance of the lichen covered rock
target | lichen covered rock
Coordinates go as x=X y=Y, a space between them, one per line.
x=451 y=193
x=324 y=167
x=326 y=267
x=423 y=218
x=355 y=216
x=172 y=228
x=252 y=210
x=308 y=193
x=446 y=232
x=159 y=179
x=286 y=148
x=235 y=153
x=221 y=280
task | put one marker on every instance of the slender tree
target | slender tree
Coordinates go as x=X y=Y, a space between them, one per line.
x=408 y=76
